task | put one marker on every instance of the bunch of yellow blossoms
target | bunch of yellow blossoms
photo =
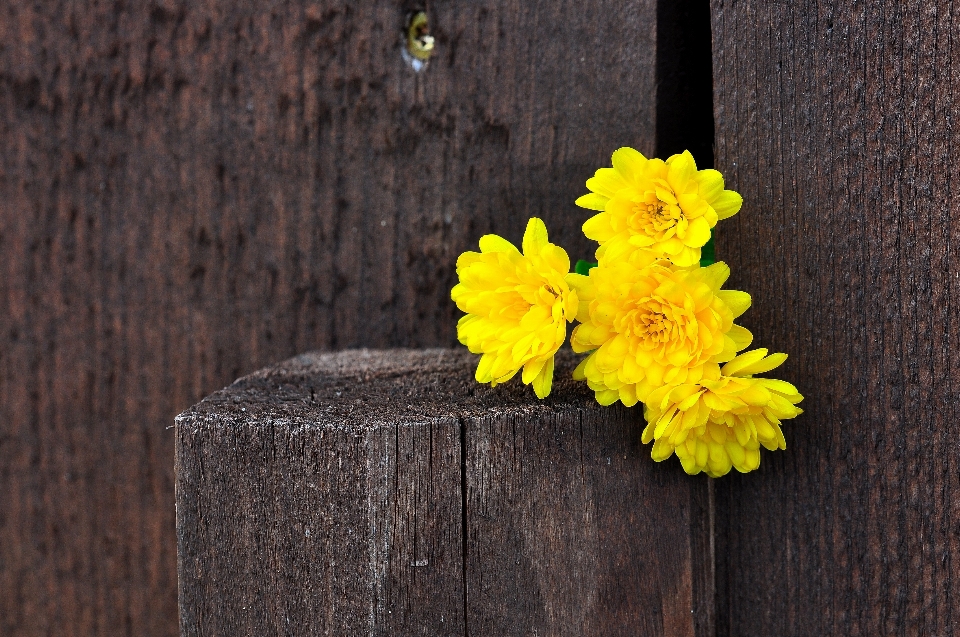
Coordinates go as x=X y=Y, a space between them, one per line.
x=656 y=325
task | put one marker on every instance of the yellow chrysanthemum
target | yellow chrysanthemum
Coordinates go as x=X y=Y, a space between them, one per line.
x=652 y=322
x=668 y=206
x=517 y=306
x=721 y=421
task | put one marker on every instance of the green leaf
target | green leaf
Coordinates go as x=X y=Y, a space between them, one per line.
x=583 y=267
x=708 y=255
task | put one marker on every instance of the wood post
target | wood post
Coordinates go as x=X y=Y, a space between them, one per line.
x=387 y=493
x=837 y=122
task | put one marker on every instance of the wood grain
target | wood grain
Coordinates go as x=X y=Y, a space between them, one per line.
x=387 y=493
x=837 y=123
x=189 y=191
x=573 y=530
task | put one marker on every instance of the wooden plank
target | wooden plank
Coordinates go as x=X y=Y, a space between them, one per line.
x=289 y=525
x=189 y=191
x=573 y=530
x=836 y=123
x=386 y=493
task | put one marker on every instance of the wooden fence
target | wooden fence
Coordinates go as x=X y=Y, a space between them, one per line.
x=190 y=191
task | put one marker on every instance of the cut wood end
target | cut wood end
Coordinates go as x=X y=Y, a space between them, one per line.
x=369 y=388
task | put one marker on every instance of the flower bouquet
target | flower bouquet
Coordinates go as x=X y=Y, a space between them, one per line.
x=654 y=321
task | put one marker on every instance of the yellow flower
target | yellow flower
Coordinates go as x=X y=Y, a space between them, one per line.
x=668 y=206
x=721 y=421
x=517 y=306
x=652 y=322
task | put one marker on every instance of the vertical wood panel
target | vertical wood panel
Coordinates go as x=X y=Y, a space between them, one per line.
x=291 y=527
x=836 y=121
x=572 y=529
x=189 y=191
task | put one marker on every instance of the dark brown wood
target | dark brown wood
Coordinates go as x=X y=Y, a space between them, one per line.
x=387 y=493
x=191 y=190
x=837 y=123
x=573 y=530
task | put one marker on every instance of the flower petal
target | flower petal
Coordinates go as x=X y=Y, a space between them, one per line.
x=607 y=182
x=765 y=365
x=494 y=243
x=727 y=204
x=710 y=183
x=593 y=201
x=738 y=302
x=716 y=274
x=535 y=237
x=698 y=233
x=544 y=380
x=741 y=336
x=628 y=162
x=742 y=361
x=598 y=227
x=681 y=169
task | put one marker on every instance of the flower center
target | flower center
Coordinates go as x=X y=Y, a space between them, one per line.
x=654 y=322
x=655 y=217
x=657 y=326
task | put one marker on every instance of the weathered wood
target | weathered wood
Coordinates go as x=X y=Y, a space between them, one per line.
x=192 y=190
x=387 y=493
x=837 y=123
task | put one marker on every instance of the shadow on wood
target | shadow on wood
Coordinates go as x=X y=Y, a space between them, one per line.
x=387 y=493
